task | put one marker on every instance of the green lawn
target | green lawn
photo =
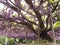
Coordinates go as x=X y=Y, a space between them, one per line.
x=39 y=44
x=11 y=41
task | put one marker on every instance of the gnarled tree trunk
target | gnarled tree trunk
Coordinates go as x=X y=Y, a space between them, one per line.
x=45 y=36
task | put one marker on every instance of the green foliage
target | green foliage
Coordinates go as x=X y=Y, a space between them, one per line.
x=56 y=25
x=58 y=41
x=34 y=26
x=51 y=1
x=29 y=18
x=29 y=41
x=14 y=15
x=6 y=40
x=11 y=41
x=2 y=40
x=44 y=18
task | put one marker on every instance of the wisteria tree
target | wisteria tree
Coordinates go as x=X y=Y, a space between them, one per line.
x=36 y=15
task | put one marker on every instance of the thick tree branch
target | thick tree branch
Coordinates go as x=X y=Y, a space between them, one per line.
x=38 y=15
x=24 y=23
x=14 y=8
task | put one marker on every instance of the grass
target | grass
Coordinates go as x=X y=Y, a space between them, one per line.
x=39 y=44
x=11 y=41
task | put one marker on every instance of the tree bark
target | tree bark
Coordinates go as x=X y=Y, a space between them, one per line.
x=45 y=36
